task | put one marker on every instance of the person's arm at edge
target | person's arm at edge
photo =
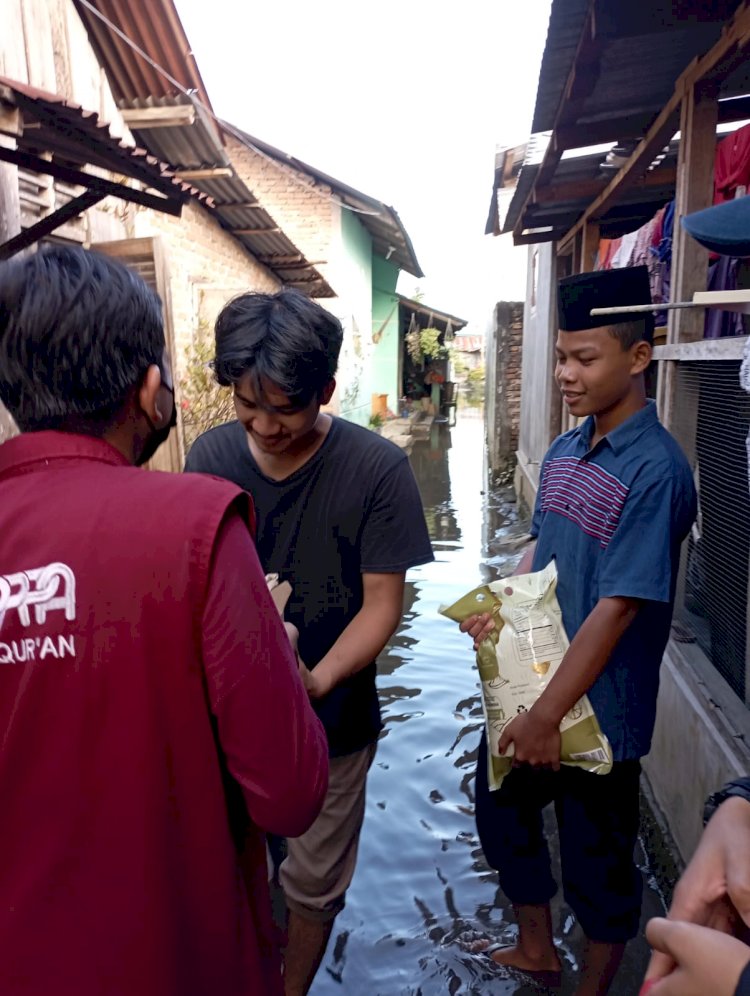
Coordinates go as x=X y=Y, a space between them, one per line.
x=275 y=746
x=364 y=637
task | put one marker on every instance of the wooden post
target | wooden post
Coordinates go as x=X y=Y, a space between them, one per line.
x=695 y=173
x=10 y=219
x=589 y=247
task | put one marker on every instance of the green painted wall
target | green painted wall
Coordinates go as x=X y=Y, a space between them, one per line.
x=385 y=358
x=356 y=292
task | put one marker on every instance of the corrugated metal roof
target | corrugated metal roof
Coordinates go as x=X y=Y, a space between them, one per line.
x=627 y=74
x=155 y=27
x=566 y=22
x=192 y=146
x=440 y=319
x=390 y=238
x=198 y=146
x=77 y=137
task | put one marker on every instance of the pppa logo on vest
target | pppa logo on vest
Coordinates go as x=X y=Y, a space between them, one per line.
x=43 y=589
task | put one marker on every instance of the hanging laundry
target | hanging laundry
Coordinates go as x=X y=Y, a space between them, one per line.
x=722 y=275
x=624 y=254
x=732 y=165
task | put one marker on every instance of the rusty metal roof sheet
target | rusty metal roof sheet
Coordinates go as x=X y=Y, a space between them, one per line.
x=390 y=238
x=155 y=27
x=77 y=137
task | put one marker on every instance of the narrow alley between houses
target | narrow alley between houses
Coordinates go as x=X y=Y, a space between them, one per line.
x=423 y=890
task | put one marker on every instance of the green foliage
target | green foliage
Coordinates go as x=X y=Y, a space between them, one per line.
x=204 y=403
x=474 y=392
x=429 y=342
x=376 y=421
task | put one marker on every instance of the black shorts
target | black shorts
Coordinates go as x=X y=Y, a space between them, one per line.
x=597 y=820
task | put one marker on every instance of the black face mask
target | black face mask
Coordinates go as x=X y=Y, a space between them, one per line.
x=158 y=436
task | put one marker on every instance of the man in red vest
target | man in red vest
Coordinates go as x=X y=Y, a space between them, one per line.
x=153 y=723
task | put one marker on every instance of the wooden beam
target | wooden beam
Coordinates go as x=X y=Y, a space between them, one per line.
x=107 y=188
x=273 y=260
x=575 y=190
x=732 y=348
x=612 y=129
x=141 y=118
x=289 y=266
x=47 y=225
x=589 y=246
x=695 y=187
x=254 y=231
x=532 y=238
x=214 y=173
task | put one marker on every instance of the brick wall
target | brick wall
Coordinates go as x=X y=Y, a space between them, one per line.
x=305 y=211
x=503 y=385
x=206 y=268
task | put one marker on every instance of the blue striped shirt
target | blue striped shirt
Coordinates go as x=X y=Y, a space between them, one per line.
x=613 y=517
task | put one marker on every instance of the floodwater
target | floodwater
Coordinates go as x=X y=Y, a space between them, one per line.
x=422 y=889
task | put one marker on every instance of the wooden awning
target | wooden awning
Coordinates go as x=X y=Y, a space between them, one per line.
x=55 y=137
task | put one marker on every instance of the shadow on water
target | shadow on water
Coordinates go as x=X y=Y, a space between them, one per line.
x=422 y=890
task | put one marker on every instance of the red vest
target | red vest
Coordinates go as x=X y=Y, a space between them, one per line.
x=118 y=874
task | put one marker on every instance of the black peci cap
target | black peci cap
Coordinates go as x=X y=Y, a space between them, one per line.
x=577 y=295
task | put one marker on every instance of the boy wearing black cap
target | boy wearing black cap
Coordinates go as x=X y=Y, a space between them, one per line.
x=615 y=501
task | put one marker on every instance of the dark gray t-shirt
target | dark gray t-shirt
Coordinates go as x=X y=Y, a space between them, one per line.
x=353 y=508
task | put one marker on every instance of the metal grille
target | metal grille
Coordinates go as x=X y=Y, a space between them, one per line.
x=712 y=417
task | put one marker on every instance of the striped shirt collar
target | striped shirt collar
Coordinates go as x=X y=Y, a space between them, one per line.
x=625 y=434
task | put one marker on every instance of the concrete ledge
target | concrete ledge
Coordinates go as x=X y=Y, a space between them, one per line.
x=700 y=741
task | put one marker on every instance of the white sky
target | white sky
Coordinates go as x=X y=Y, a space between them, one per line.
x=402 y=99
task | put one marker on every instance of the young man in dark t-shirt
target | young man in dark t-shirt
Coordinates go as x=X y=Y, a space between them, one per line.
x=339 y=517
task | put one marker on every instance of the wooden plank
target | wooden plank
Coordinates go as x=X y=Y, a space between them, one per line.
x=613 y=129
x=583 y=189
x=534 y=237
x=695 y=185
x=40 y=55
x=142 y=118
x=204 y=174
x=108 y=189
x=10 y=222
x=48 y=225
x=13 y=62
x=705 y=349
x=254 y=231
x=589 y=246
x=146 y=256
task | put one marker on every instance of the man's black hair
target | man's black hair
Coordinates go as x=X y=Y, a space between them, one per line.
x=77 y=333
x=629 y=333
x=284 y=339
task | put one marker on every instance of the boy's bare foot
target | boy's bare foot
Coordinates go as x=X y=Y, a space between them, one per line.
x=514 y=956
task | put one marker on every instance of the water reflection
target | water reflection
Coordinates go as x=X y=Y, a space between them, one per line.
x=422 y=889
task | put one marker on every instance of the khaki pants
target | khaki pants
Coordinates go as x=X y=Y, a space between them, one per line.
x=319 y=866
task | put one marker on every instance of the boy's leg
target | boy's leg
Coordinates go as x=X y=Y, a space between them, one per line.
x=319 y=868
x=511 y=831
x=598 y=817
